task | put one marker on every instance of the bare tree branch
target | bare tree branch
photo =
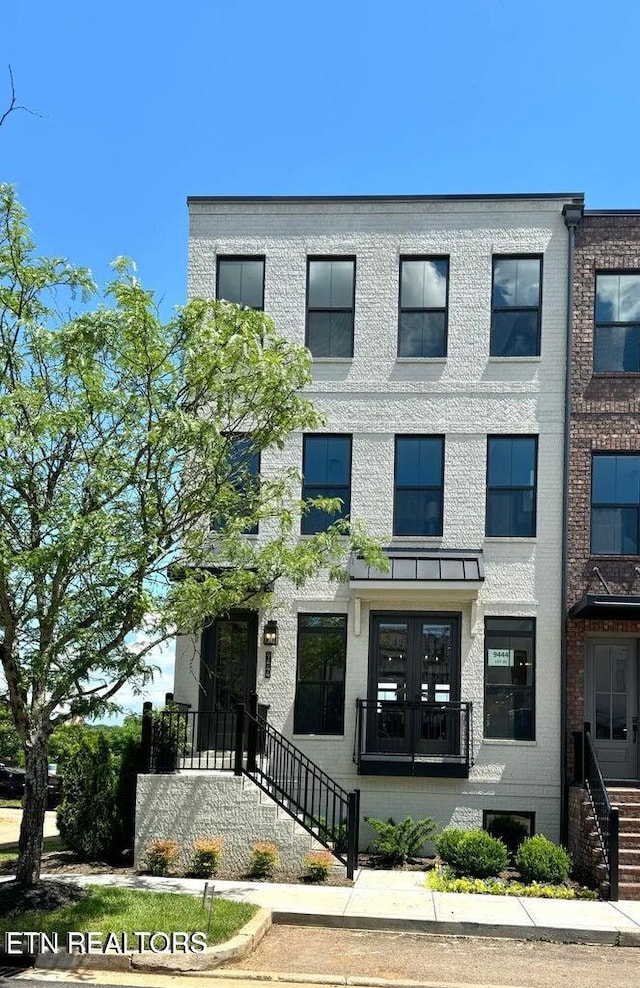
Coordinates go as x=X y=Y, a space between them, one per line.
x=13 y=102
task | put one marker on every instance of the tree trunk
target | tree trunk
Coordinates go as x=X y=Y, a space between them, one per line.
x=34 y=805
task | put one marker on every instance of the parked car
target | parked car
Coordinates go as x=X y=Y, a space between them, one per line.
x=12 y=785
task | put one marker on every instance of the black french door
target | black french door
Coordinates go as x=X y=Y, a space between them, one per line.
x=229 y=652
x=414 y=666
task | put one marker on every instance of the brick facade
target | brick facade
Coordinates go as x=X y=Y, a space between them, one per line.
x=605 y=416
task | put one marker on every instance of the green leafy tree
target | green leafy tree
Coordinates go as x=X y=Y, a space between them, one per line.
x=11 y=752
x=117 y=450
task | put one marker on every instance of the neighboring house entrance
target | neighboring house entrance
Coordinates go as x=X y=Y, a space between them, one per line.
x=611 y=704
x=227 y=675
x=414 y=668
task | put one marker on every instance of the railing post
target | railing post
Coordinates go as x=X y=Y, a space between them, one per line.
x=353 y=829
x=614 y=830
x=240 y=719
x=578 y=757
x=586 y=762
x=146 y=735
x=252 y=732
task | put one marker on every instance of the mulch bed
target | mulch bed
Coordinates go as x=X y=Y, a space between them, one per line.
x=43 y=897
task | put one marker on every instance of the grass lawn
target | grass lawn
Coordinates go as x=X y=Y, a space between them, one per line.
x=14 y=804
x=50 y=844
x=121 y=910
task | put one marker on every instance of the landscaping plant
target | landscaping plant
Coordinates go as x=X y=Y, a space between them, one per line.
x=472 y=853
x=86 y=816
x=318 y=865
x=540 y=860
x=265 y=858
x=396 y=842
x=160 y=855
x=447 y=843
x=207 y=853
x=508 y=829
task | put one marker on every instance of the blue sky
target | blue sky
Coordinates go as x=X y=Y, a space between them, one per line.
x=142 y=104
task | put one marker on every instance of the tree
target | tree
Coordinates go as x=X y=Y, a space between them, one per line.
x=118 y=447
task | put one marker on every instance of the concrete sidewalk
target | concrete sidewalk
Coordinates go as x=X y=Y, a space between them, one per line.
x=398 y=901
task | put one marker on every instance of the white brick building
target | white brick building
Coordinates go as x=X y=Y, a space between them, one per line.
x=455 y=654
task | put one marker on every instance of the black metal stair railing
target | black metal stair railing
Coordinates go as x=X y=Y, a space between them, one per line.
x=328 y=812
x=605 y=815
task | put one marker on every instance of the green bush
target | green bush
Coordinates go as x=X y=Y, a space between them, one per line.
x=131 y=764
x=447 y=843
x=207 y=853
x=318 y=865
x=540 y=860
x=265 y=858
x=86 y=815
x=159 y=855
x=479 y=855
x=509 y=830
x=440 y=880
x=398 y=841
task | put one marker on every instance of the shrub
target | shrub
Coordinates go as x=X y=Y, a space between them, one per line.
x=479 y=855
x=540 y=860
x=318 y=865
x=509 y=830
x=398 y=841
x=440 y=880
x=264 y=859
x=206 y=857
x=447 y=843
x=160 y=855
x=131 y=763
x=86 y=816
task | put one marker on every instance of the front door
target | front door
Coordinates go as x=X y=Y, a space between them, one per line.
x=612 y=705
x=227 y=675
x=414 y=673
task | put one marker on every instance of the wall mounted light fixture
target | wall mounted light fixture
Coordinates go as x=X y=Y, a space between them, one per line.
x=270 y=634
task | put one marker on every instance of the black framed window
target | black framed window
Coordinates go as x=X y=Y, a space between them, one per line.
x=330 y=305
x=322 y=656
x=509 y=678
x=241 y=280
x=524 y=821
x=424 y=288
x=326 y=472
x=616 y=344
x=615 y=504
x=419 y=484
x=242 y=474
x=515 y=306
x=511 y=485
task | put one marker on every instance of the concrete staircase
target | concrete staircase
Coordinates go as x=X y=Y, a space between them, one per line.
x=627 y=799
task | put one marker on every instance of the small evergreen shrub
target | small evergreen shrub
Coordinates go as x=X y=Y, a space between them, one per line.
x=206 y=857
x=318 y=865
x=86 y=815
x=447 y=843
x=540 y=860
x=159 y=855
x=398 y=841
x=441 y=880
x=265 y=858
x=509 y=830
x=478 y=855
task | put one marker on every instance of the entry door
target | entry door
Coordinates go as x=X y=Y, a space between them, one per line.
x=414 y=660
x=612 y=705
x=227 y=675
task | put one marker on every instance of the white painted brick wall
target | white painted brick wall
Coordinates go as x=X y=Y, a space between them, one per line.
x=466 y=397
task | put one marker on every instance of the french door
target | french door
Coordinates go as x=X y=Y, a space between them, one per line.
x=611 y=705
x=227 y=675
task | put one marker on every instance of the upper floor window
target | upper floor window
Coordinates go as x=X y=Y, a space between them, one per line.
x=419 y=485
x=326 y=469
x=616 y=345
x=422 y=330
x=330 y=306
x=615 y=504
x=241 y=280
x=515 y=307
x=511 y=485
x=243 y=474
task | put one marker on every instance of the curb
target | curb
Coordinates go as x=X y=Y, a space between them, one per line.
x=238 y=947
x=551 y=934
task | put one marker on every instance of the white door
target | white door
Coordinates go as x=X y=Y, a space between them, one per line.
x=612 y=705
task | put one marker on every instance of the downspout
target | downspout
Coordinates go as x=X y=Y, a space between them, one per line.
x=572 y=215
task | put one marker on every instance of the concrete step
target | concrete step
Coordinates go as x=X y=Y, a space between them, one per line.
x=629 y=825
x=629 y=890
x=630 y=841
x=629 y=873
x=623 y=794
x=629 y=856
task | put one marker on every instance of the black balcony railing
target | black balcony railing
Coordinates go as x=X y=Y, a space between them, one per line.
x=413 y=737
x=605 y=815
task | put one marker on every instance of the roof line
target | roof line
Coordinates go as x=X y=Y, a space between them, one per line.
x=611 y=212
x=466 y=197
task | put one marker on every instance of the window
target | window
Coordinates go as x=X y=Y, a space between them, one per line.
x=511 y=485
x=615 y=504
x=424 y=283
x=419 y=485
x=241 y=280
x=515 y=318
x=509 y=689
x=326 y=469
x=322 y=652
x=243 y=472
x=514 y=824
x=616 y=345
x=330 y=305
